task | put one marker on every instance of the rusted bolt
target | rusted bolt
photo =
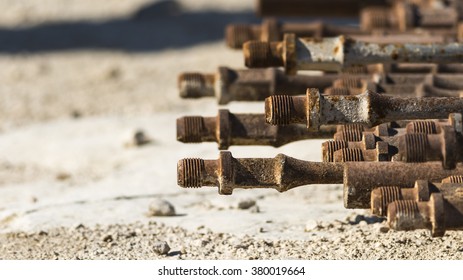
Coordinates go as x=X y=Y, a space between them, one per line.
x=332 y=54
x=248 y=85
x=283 y=173
x=256 y=84
x=380 y=153
x=272 y=30
x=442 y=212
x=381 y=197
x=369 y=109
x=228 y=129
x=360 y=178
x=408 y=147
x=404 y=16
x=411 y=215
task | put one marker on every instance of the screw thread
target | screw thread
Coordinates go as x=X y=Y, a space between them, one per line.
x=331 y=146
x=280 y=109
x=195 y=85
x=338 y=91
x=191 y=175
x=415 y=147
x=456 y=179
x=387 y=195
x=426 y=127
x=351 y=135
x=193 y=127
x=403 y=214
x=351 y=155
x=260 y=54
x=355 y=69
x=374 y=18
x=351 y=82
x=238 y=34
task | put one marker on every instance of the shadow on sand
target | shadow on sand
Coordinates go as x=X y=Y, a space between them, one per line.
x=157 y=26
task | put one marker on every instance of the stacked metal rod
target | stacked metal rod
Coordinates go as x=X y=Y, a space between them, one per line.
x=388 y=94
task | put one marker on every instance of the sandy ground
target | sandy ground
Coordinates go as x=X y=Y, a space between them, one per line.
x=79 y=77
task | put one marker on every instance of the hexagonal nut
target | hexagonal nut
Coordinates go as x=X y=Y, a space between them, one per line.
x=456 y=121
x=382 y=151
x=382 y=130
x=422 y=190
x=369 y=140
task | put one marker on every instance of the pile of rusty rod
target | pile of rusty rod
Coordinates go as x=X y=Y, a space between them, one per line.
x=388 y=94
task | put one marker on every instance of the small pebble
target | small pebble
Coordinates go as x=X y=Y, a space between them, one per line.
x=254 y=209
x=311 y=225
x=384 y=229
x=108 y=238
x=161 y=248
x=246 y=204
x=160 y=207
x=138 y=138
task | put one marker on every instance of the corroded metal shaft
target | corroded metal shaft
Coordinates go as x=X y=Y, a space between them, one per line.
x=281 y=173
x=403 y=16
x=229 y=85
x=228 y=129
x=369 y=109
x=284 y=173
x=332 y=54
x=247 y=85
x=272 y=30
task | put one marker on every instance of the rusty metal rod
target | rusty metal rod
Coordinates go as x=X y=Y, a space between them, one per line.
x=247 y=85
x=332 y=54
x=228 y=129
x=369 y=109
x=284 y=173
x=229 y=85
x=272 y=30
x=403 y=17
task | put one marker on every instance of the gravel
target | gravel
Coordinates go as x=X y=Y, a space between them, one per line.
x=142 y=241
x=160 y=207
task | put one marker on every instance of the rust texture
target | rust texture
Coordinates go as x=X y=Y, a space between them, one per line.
x=419 y=141
x=432 y=214
x=405 y=16
x=271 y=30
x=247 y=85
x=369 y=109
x=228 y=129
x=228 y=85
x=281 y=173
x=284 y=173
x=336 y=53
